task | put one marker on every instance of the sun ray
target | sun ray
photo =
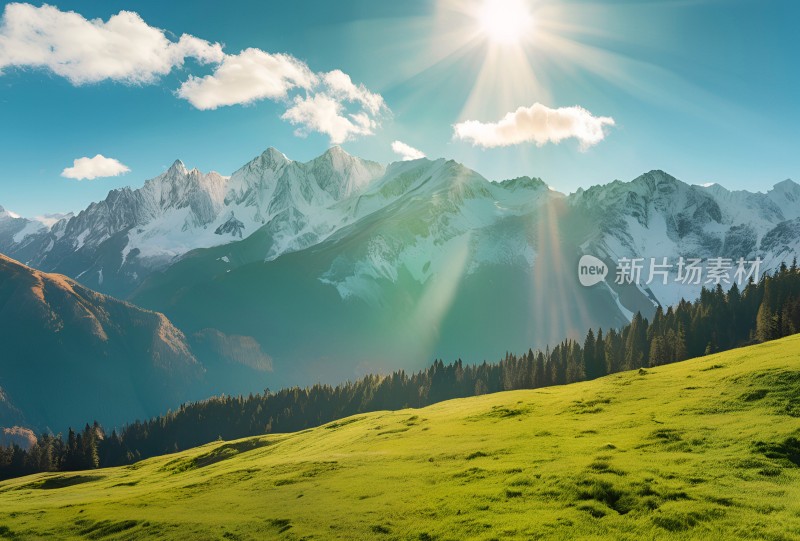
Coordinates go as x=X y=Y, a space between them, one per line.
x=506 y=80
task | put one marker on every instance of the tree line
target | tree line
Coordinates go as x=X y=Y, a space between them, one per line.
x=717 y=321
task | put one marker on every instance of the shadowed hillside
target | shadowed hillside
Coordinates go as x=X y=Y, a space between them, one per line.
x=70 y=354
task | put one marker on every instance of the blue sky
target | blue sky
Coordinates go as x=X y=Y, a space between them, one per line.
x=706 y=90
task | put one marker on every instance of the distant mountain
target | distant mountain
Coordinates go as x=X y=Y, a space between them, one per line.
x=429 y=259
x=339 y=266
x=657 y=215
x=70 y=355
x=18 y=234
x=432 y=260
x=115 y=243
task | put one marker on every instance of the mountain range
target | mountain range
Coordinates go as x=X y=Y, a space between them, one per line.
x=340 y=266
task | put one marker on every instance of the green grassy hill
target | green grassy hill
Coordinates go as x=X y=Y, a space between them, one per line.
x=705 y=449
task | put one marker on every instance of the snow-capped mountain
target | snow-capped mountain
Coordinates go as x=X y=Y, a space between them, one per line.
x=16 y=231
x=114 y=244
x=431 y=259
x=439 y=210
x=657 y=216
x=281 y=250
x=294 y=200
x=418 y=263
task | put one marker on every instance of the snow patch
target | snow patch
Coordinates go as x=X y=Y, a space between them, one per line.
x=30 y=228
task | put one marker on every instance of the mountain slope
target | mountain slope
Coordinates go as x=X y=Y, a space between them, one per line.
x=433 y=261
x=391 y=267
x=70 y=355
x=657 y=216
x=449 y=265
x=703 y=449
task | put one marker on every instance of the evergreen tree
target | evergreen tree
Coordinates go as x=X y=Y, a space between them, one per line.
x=600 y=355
x=590 y=356
x=765 y=323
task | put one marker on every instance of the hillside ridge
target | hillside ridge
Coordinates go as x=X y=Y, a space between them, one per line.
x=703 y=447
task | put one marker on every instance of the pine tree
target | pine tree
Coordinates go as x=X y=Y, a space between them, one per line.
x=590 y=356
x=658 y=351
x=636 y=344
x=765 y=323
x=600 y=353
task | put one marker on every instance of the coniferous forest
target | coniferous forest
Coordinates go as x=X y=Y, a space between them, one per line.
x=717 y=321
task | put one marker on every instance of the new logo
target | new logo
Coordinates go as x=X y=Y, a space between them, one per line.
x=591 y=270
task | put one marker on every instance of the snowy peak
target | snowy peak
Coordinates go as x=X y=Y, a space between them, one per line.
x=523 y=183
x=787 y=185
x=179 y=188
x=8 y=214
x=656 y=177
x=431 y=177
x=657 y=183
x=252 y=184
x=786 y=195
x=272 y=184
x=335 y=151
x=272 y=159
x=396 y=169
x=176 y=169
x=273 y=155
x=340 y=175
x=655 y=190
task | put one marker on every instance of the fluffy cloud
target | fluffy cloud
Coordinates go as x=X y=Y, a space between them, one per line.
x=330 y=104
x=88 y=51
x=324 y=114
x=247 y=77
x=127 y=49
x=536 y=124
x=406 y=152
x=341 y=86
x=324 y=109
x=92 y=168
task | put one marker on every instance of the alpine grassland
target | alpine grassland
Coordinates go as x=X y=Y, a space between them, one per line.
x=703 y=449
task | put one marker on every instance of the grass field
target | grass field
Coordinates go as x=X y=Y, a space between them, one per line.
x=705 y=449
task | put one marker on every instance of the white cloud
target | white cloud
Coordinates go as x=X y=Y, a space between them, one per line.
x=331 y=103
x=324 y=109
x=536 y=124
x=92 y=168
x=324 y=114
x=407 y=152
x=84 y=51
x=341 y=86
x=247 y=77
x=127 y=49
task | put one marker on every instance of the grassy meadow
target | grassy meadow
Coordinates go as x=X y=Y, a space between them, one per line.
x=704 y=449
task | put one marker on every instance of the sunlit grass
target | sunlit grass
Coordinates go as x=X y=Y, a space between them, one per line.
x=698 y=450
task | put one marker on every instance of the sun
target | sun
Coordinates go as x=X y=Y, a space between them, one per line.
x=504 y=22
